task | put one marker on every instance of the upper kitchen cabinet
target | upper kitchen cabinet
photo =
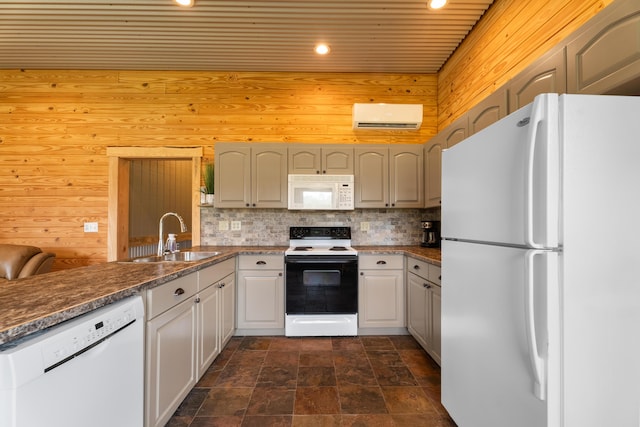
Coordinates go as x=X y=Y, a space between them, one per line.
x=456 y=131
x=251 y=175
x=604 y=58
x=488 y=111
x=389 y=176
x=546 y=75
x=309 y=159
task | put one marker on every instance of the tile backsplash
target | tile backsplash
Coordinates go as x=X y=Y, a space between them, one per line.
x=270 y=227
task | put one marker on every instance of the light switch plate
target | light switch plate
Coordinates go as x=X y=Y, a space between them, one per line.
x=364 y=226
x=90 y=227
x=223 y=225
x=236 y=225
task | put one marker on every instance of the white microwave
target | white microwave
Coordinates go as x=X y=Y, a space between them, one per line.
x=330 y=192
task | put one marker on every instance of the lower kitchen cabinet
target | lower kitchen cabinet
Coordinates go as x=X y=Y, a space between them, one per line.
x=424 y=301
x=381 y=297
x=186 y=329
x=261 y=293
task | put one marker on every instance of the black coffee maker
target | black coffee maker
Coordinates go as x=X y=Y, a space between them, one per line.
x=430 y=234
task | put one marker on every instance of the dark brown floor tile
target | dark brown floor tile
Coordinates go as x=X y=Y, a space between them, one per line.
x=267 y=421
x=384 y=358
x=238 y=376
x=418 y=357
x=377 y=343
x=425 y=375
x=191 y=403
x=255 y=343
x=316 y=358
x=248 y=357
x=394 y=376
x=407 y=400
x=316 y=376
x=316 y=344
x=217 y=421
x=404 y=342
x=413 y=420
x=356 y=375
x=282 y=358
x=271 y=401
x=368 y=420
x=222 y=359
x=226 y=401
x=209 y=378
x=346 y=343
x=316 y=421
x=285 y=343
x=316 y=400
x=278 y=376
x=179 y=421
x=350 y=358
x=355 y=399
x=234 y=343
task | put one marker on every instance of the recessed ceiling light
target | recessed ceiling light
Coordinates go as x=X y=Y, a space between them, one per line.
x=185 y=3
x=436 y=4
x=322 y=49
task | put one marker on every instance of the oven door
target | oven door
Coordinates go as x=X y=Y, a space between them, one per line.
x=321 y=284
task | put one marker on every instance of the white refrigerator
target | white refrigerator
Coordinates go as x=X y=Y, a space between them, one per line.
x=541 y=267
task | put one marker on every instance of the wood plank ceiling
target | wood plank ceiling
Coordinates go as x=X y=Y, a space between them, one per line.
x=394 y=36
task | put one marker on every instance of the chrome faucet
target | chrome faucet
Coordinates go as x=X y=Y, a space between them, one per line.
x=183 y=228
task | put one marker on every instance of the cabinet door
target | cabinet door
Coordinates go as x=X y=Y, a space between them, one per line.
x=371 y=177
x=547 y=75
x=269 y=177
x=381 y=299
x=171 y=356
x=456 y=131
x=433 y=171
x=488 y=111
x=406 y=176
x=227 y=309
x=260 y=299
x=417 y=307
x=232 y=175
x=304 y=160
x=434 y=347
x=208 y=327
x=605 y=57
x=337 y=161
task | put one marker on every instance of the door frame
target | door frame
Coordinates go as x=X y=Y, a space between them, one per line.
x=118 y=211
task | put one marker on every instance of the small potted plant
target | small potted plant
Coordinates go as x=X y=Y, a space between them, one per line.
x=209 y=179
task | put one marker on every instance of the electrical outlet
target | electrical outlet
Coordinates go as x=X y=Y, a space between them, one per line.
x=90 y=227
x=236 y=225
x=223 y=225
x=364 y=226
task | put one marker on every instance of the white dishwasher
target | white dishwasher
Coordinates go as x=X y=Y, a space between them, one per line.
x=87 y=371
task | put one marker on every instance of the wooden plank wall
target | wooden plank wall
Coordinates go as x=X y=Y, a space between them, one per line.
x=55 y=127
x=510 y=36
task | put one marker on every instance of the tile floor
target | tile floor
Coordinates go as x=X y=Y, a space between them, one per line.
x=372 y=381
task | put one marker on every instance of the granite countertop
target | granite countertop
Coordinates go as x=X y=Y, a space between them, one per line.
x=34 y=303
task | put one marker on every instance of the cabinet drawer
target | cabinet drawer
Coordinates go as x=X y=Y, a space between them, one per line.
x=380 y=262
x=434 y=274
x=165 y=296
x=210 y=275
x=261 y=262
x=418 y=267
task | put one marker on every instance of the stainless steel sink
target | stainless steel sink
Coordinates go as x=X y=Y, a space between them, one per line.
x=177 y=257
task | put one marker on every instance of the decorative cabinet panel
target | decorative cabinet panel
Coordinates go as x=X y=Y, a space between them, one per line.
x=546 y=75
x=389 y=177
x=488 y=111
x=335 y=160
x=381 y=297
x=251 y=175
x=604 y=58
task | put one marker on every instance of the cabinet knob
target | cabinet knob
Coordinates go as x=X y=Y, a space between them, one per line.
x=178 y=292
x=280 y=274
x=197 y=300
x=222 y=285
x=426 y=285
x=261 y=263
x=416 y=267
x=381 y=262
x=247 y=205
x=362 y=273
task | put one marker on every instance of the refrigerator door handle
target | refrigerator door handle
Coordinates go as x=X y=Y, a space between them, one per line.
x=537 y=361
x=537 y=117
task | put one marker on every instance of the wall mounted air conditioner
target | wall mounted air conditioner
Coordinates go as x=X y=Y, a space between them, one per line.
x=387 y=116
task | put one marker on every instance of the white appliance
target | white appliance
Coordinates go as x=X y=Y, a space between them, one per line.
x=541 y=267
x=321 y=192
x=321 y=282
x=387 y=116
x=87 y=371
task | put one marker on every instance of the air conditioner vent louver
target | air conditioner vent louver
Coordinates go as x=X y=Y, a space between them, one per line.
x=387 y=116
